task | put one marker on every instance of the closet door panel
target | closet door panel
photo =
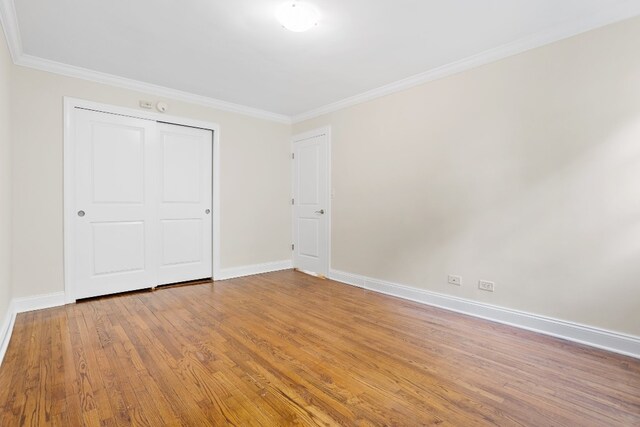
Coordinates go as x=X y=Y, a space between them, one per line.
x=185 y=179
x=115 y=222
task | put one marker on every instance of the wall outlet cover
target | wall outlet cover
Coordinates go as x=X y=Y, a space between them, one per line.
x=455 y=280
x=485 y=285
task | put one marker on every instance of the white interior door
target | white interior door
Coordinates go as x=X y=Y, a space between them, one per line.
x=185 y=203
x=311 y=196
x=115 y=223
x=143 y=199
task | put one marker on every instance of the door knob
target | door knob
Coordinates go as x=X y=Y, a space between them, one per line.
x=208 y=211
x=81 y=213
x=321 y=212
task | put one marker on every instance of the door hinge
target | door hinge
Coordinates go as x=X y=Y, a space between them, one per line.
x=293 y=201
x=292 y=246
x=293 y=156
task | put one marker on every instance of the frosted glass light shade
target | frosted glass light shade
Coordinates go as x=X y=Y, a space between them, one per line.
x=296 y=16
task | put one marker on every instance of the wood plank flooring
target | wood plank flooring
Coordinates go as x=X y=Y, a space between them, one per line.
x=286 y=348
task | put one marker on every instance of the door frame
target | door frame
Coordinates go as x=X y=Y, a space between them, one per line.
x=70 y=104
x=325 y=130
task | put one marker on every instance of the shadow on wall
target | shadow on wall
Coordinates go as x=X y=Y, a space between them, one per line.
x=545 y=215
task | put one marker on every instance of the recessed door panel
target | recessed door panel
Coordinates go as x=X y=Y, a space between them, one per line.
x=117 y=163
x=309 y=164
x=128 y=237
x=309 y=237
x=181 y=241
x=182 y=155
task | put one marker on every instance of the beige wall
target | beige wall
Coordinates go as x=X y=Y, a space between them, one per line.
x=525 y=172
x=255 y=175
x=5 y=179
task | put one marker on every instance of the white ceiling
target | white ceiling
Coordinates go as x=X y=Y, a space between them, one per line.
x=236 y=51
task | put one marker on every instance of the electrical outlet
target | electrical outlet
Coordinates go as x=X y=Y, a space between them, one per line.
x=485 y=285
x=455 y=280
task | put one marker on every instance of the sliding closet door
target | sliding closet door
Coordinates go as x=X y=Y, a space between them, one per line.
x=143 y=199
x=115 y=208
x=185 y=196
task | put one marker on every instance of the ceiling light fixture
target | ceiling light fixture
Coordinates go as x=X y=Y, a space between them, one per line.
x=296 y=16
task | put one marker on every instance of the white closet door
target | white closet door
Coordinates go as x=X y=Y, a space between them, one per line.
x=185 y=192
x=116 y=220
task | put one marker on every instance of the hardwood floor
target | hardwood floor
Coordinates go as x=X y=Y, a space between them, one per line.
x=285 y=348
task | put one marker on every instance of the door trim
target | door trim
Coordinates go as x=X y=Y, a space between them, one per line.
x=325 y=130
x=70 y=104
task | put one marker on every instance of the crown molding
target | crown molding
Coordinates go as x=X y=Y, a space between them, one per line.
x=9 y=21
x=611 y=15
x=113 y=80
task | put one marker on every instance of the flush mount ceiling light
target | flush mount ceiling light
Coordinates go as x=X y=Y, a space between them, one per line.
x=296 y=16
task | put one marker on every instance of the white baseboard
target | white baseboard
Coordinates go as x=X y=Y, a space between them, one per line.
x=38 y=302
x=6 y=328
x=249 y=270
x=607 y=340
x=21 y=305
x=55 y=299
